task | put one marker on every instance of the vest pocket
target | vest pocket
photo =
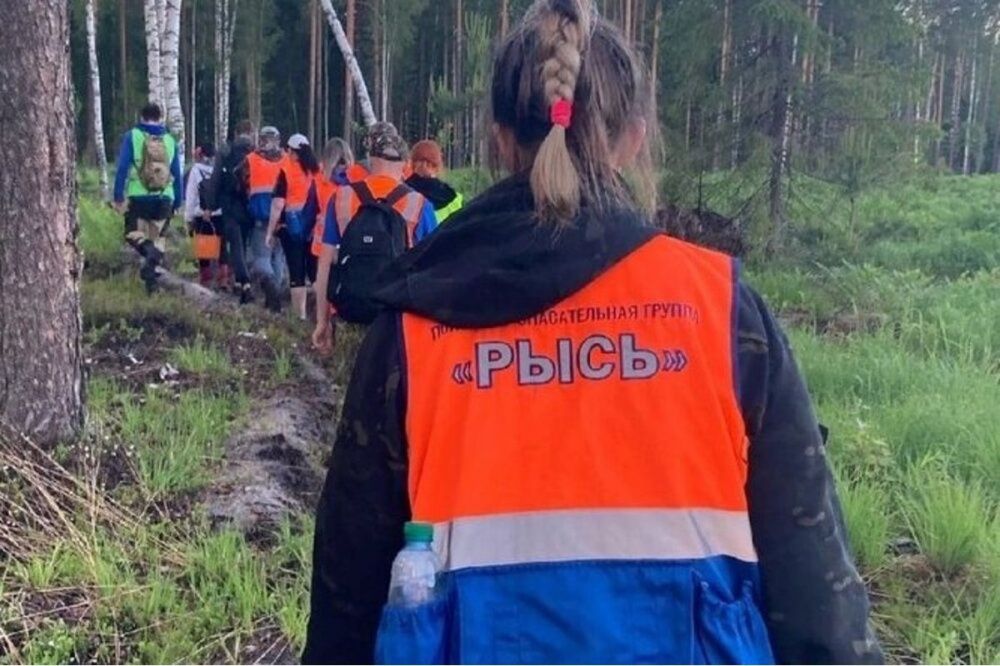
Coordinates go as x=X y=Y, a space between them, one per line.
x=730 y=632
x=418 y=635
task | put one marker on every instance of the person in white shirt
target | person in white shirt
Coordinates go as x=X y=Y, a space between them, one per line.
x=203 y=221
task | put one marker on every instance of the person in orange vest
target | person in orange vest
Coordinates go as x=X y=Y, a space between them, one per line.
x=427 y=164
x=260 y=173
x=387 y=156
x=293 y=214
x=338 y=168
x=603 y=427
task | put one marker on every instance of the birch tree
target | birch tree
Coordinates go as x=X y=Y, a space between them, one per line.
x=169 y=62
x=225 y=27
x=154 y=68
x=95 y=100
x=361 y=89
x=41 y=359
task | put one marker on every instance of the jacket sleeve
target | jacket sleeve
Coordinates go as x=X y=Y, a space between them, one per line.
x=816 y=603
x=125 y=159
x=359 y=522
x=192 y=203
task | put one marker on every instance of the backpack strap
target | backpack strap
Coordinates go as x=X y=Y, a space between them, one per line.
x=364 y=193
x=397 y=194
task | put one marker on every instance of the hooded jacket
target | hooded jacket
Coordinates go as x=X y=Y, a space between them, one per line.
x=443 y=197
x=493 y=265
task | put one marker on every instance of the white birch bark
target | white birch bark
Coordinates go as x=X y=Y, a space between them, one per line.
x=361 y=89
x=219 y=131
x=971 y=115
x=227 y=61
x=169 y=62
x=154 y=68
x=95 y=100
x=225 y=28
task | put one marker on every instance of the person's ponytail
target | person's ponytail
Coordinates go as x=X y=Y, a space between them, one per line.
x=555 y=179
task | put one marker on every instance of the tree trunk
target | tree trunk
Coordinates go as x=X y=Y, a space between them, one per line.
x=169 y=60
x=365 y=102
x=956 y=105
x=227 y=61
x=504 y=18
x=781 y=129
x=95 y=101
x=970 y=117
x=458 y=80
x=987 y=98
x=352 y=12
x=225 y=27
x=123 y=60
x=154 y=70
x=194 y=73
x=41 y=368
x=313 y=70
x=654 y=58
x=725 y=57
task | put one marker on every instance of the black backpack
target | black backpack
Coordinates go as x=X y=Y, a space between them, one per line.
x=373 y=238
x=208 y=197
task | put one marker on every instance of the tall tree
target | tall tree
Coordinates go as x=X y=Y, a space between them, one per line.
x=95 y=101
x=225 y=28
x=170 y=62
x=361 y=89
x=154 y=69
x=351 y=16
x=41 y=369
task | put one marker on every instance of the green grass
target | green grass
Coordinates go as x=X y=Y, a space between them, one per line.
x=203 y=358
x=176 y=439
x=947 y=517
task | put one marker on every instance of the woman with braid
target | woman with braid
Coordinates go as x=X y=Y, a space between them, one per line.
x=602 y=428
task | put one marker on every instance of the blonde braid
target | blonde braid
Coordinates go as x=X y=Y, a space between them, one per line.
x=563 y=28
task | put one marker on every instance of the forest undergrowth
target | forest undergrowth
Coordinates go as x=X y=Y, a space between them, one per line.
x=894 y=314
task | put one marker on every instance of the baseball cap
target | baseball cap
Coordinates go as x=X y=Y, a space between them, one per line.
x=384 y=141
x=297 y=141
x=269 y=132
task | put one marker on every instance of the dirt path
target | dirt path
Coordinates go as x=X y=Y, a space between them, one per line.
x=274 y=462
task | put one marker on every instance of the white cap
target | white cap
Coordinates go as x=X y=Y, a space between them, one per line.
x=296 y=141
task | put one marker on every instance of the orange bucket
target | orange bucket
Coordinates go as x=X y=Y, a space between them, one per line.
x=207 y=246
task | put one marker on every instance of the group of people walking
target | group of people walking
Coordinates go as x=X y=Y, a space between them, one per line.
x=279 y=209
x=590 y=440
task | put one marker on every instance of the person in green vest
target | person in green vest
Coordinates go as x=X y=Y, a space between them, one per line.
x=148 y=188
x=427 y=163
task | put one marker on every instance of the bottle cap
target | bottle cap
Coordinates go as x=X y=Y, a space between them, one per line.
x=418 y=532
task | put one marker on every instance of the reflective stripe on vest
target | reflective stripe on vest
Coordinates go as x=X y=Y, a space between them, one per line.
x=450 y=209
x=585 y=471
x=134 y=186
x=263 y=173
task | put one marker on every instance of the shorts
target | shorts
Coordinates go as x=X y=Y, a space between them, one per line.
x=146 y=219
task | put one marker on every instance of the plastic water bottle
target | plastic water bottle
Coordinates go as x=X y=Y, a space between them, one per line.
x=415 y=569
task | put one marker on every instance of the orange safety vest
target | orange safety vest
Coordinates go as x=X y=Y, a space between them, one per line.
x=347 y=203
x=584 y=470
x=325 y=191
x=263 y=173
x=299 y=183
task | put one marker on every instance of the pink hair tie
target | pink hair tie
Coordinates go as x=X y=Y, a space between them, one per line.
x=562 y=113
